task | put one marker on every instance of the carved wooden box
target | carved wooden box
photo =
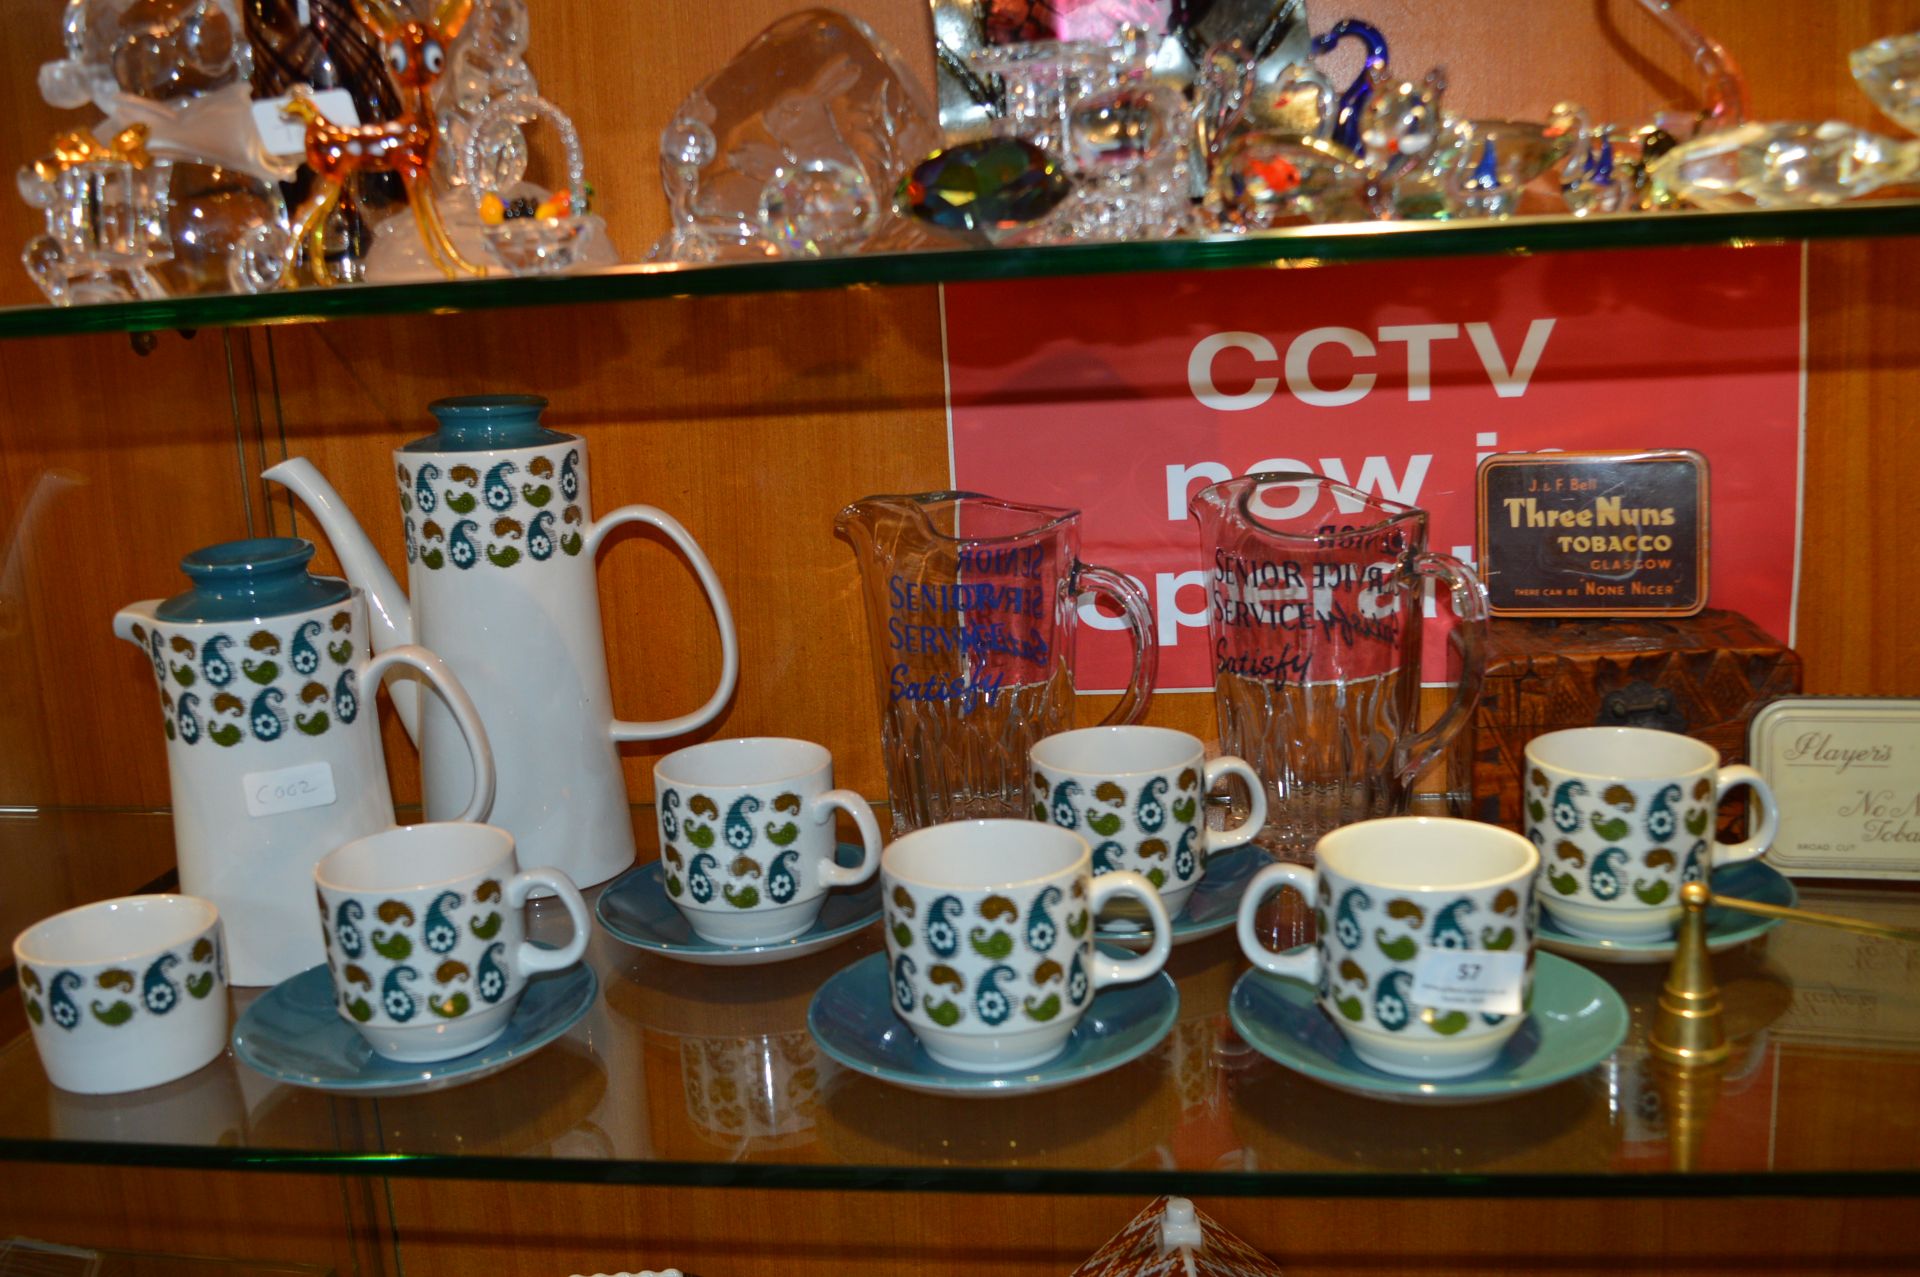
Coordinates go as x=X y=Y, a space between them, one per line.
x=1704 y=675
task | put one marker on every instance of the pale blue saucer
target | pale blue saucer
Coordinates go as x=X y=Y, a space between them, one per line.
x=294 y=1033
x=853 y=1021
x=1577 y=1021
x=1212 y=908
x=636 y=909
x=1754 y=880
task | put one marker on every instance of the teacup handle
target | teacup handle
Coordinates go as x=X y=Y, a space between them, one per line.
x=1132 y=706
x=623 y=729
x=1219 y=769
x=822 y=808
x=532 y=959
x=459 y=704
x=1731 y=778
x=1295 y=964
x=1125 y=882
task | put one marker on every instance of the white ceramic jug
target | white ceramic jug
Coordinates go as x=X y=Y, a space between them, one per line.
x=500 y=550
x=273 y=745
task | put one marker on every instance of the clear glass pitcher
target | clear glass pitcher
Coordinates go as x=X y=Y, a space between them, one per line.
x=971 y=611
x=1316 y=619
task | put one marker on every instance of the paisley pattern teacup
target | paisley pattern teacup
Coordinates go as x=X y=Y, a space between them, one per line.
x=746 y=836
x=990 y=939
x=1386 y=893
x=1139 y=795
x=426 y=939
x=125 y=994
x=1623 y=816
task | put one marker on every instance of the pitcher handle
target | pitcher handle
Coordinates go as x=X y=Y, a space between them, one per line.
x=1146 y=654
x=623 y=729
x=1470 y=598
x=459 y=704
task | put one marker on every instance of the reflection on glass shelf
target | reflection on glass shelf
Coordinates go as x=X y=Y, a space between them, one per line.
x=707 y=1075
x=1300 y=246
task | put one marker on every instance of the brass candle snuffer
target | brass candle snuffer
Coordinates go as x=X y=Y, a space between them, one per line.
x=1688 y=1040
x=1687 y=1030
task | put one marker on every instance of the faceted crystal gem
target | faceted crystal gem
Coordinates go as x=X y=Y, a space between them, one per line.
x=818 y=207
x=994 y=184
x=1888 y=71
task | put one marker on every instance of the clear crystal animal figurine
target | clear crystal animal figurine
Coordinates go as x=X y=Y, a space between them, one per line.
x=106 y=218
x=793 y=147
x=1795 y=164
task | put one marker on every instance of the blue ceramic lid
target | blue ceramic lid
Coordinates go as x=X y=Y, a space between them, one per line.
x=487 y=423
x=248 y=580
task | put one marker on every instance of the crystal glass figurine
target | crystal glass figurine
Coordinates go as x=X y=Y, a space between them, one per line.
x=484 y=67
x=1788 y=165
x=1888 y=71
x=528 y=230
x=792 y=148
x=1269 y=180
x=106 y=219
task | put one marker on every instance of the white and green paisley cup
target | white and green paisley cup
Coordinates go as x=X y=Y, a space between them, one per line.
x=1386 y=892
x=125 y=994
x=747 y=839
x=1139 y=795
x=426 y=936
x=990 y=939
x=1623 y=816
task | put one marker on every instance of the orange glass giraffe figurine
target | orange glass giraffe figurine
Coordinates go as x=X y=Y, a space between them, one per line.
x=415 y=53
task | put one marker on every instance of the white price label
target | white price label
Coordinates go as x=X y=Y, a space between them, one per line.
x=281 y=134
x=289 y=789
x=1470 y=980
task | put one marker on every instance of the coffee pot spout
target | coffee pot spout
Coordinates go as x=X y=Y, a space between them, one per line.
x=388 y=611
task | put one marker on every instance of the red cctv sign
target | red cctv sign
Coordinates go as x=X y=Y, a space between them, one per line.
x=1122 y=396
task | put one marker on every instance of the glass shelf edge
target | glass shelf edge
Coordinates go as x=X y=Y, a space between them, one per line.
x=814 y=1177
x=1365 y=241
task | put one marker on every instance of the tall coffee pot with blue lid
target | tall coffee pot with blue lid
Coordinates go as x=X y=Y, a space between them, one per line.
x=273 y=747
x=500 y=546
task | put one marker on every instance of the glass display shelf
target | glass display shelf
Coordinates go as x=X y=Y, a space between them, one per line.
x=1300 y=246
x=707 y=1076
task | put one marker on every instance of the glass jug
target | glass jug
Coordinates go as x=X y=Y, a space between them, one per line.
x=1315 y=617
x=971 y=611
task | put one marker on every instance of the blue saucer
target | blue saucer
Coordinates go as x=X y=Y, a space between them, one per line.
x=852 y=1019
x=1213 y=907
x=636 y=909
x=1577 y=1021
x=294 y=1033
x=1754 y=880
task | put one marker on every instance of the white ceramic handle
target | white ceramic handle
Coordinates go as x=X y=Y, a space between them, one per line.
x=447 y=685
x=1732 y=778
x=532 y=959
x=831 y=871
x=1296 y=964
x=1217 y=770
x=1125 y=882
x=623 y=729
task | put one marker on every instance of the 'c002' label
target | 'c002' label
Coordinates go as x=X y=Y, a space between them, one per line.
x=289 y=789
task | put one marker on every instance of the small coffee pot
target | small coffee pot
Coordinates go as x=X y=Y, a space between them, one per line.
x=273 y=748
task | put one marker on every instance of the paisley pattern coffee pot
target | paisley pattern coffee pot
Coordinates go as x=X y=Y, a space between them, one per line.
x=500 y=545
x=273 y=749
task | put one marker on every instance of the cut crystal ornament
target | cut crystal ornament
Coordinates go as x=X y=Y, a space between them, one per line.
x=1888 y=71
x=992 y=187
x=1492 y=161
x=809 y=101
x=1788 y=165
x=818 y=208
x=106 y=213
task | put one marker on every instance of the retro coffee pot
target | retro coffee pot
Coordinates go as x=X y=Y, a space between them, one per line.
x=273 y=748
x=500 y=544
